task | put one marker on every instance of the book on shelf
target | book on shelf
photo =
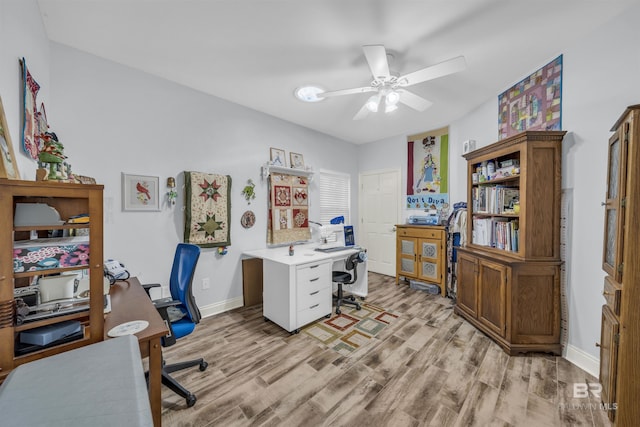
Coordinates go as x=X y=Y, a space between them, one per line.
x=79 y=219
x=480 y=199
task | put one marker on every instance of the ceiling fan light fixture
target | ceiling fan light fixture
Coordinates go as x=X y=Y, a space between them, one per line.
x=309 y=93
x=372 y=103
x=392 y=98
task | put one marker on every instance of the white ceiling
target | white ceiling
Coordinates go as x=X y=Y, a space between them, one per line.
x=256 y=52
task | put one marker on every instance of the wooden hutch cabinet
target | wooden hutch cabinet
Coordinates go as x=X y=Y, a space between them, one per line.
x=420 y=254
x=18 y=272
x=509 y=270
x=620 y=334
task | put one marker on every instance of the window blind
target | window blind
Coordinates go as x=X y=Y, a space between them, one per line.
x=335 y=196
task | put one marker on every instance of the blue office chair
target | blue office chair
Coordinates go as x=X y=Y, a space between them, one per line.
x=181 y=314
x=342 y=278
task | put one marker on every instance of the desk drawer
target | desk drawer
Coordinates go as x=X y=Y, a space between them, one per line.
x=315 y=311
x=309 y=297
x=310 y=275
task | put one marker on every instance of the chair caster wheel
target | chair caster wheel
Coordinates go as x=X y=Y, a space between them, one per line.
x=191 y=400
x=338 y=311
x=203 y=365
x=358 y=307
x=352 y=298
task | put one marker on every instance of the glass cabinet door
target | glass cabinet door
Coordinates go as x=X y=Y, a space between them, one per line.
x=407 y=249
x=429 y=253
x=614 y=211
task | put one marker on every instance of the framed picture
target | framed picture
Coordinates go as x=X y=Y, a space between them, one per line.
x=278 y=157
x=297 y=161
x=8 y=164
x=140 y=193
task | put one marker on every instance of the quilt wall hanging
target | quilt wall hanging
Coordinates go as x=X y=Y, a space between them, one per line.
x=207 y=209
x=288 y=209
x=534 y=103
x=427 y=169
x=34 y=122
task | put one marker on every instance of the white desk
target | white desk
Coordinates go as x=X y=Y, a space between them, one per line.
x=298 y=289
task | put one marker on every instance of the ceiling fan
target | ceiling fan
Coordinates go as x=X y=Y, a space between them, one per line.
x=390 y=89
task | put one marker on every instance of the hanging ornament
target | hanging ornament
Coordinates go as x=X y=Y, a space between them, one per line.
x=248 y=191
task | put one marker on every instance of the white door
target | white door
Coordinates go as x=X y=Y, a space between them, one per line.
x=379 y=213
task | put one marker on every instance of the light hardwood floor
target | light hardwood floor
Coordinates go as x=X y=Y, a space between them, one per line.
x=428 y=368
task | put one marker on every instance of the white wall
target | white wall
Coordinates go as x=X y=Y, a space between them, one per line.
x=114 y=119
x=600 y=79
x=21 y=35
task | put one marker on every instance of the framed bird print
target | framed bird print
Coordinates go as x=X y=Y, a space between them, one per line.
x=140 y=193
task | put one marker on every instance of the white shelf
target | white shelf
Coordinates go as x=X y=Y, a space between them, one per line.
x=267 y=168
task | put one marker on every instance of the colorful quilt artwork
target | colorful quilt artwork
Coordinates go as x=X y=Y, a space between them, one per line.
x=207 y=209
x=30 y=131
x=534 y=103
x=288 y=209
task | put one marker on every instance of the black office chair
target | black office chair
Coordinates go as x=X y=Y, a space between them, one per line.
x=342 y=278
x=181 y=314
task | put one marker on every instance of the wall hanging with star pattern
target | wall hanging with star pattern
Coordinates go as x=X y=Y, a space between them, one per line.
x=207 y=209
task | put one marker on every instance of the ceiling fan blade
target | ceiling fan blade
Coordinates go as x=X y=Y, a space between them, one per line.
x=414 y=101
x=377 y=59
x=346 y=91
x=364 y=111
x=433 y=72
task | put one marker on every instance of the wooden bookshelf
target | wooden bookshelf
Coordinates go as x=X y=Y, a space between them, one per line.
x=68 y=200
x=509 y=271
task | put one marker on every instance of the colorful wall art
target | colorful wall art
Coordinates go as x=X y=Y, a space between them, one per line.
x=534 y=103
x=427 y=169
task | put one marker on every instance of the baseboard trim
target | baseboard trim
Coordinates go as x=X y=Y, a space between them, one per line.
x=583 y=360
x=222 y=306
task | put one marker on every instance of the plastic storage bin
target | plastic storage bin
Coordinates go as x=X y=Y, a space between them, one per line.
x=426 y=287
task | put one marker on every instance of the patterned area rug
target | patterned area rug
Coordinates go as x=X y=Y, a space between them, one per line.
x=352 y=329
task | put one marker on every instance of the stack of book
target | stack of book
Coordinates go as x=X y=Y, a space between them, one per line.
x=499 y=233
x=494 y=200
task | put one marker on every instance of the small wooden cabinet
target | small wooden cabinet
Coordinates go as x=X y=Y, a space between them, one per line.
x=420 y=252
x=509 y=272
x=68 y=200
x=620 y=334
